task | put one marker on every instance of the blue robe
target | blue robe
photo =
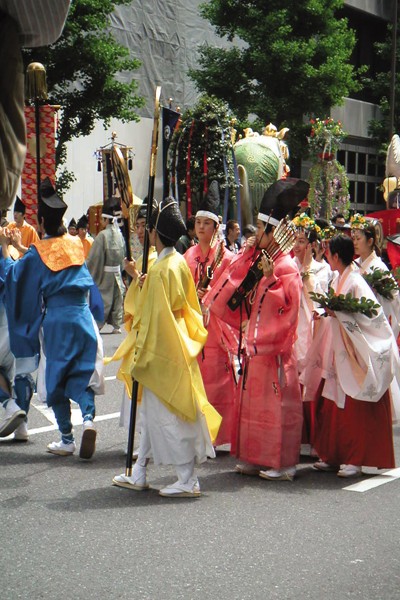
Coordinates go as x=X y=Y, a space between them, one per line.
x=35 y=296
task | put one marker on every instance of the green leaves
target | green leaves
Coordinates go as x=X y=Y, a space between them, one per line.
x=291 y=59
x=345 y=303
x=382 y=282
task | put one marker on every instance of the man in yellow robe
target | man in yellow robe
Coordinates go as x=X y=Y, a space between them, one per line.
x=177 y=422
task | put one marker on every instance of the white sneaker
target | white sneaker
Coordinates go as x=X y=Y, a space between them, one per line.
x=287 y=474
x=191 y=489
x=12 y=418
x=61 y=448
x=88 y=441
x=21 y=433
x=349 y=471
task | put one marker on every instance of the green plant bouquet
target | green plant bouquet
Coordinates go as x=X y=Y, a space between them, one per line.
x=382 y=282
x=345 y=303
x=325 y=136
x=329 y=185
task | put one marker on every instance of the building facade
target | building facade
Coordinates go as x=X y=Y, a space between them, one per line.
x=165 y=37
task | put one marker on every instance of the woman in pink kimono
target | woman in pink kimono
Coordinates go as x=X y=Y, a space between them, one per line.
x=216 y=362
x=268 y=409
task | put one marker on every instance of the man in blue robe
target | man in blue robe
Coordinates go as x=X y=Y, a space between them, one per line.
x=48 y=289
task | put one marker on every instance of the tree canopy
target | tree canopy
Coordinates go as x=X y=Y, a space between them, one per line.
x=287 y=60
x=380 y=85
x=83 y=69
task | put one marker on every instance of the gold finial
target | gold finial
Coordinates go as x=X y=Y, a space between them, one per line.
x=36 y=87
x=233 y=130
x=270 y=130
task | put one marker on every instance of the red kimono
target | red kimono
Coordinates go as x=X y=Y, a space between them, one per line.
x=215 y=361
x=268 y=409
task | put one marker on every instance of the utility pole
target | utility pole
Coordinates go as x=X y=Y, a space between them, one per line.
x=393 y=70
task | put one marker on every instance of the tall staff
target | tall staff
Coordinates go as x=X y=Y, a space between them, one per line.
x=36 y=91
x=146 y=246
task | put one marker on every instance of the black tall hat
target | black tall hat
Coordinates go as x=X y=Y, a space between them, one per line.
x=167 y=220
x=83 y=222
x=111 y=207
x=211 y=202
x=19 y=206
x=50 y=204
x=142 y=212
x=281 y=198
x=72 y=223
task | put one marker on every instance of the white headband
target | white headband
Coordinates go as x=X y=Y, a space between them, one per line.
x=268 y=220
x=207 y=214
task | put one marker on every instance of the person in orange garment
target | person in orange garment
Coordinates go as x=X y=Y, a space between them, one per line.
x=82 y=229
x=21 y=233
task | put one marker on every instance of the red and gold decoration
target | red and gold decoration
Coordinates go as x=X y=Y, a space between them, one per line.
x=41 y=124
x=47 y=156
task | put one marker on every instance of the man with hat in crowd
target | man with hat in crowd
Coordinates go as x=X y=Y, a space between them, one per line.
x=72 y=230
x=21 y=233
x=177 y=422
x=105 y=261
x=211 y=257
x=268 y=418
x=82 y=227
x=53 y=274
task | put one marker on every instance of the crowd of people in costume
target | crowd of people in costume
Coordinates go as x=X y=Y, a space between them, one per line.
x=239 y=342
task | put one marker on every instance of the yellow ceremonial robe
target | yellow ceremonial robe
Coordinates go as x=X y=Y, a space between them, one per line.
x=170 y=335
x=125 y=351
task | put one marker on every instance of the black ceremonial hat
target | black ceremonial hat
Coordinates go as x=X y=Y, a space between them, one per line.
x=83 y=222
x=167 y=220
x=111 y=207
x=281 y=198
x=51 y=204
x=72 y=223
x=19 y=206
x=142 y=212
x=211 y=202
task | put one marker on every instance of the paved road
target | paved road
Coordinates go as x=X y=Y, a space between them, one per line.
x=67 y=533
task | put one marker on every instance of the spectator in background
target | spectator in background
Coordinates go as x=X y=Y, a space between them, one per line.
x=338 y=220
x=232 y=235
x=248 y=232
x=188 y=239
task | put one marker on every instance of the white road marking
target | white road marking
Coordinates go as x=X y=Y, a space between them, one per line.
x=75 y=421
x=373 y=482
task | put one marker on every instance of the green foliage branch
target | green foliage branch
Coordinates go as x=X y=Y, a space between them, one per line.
x=286 y=60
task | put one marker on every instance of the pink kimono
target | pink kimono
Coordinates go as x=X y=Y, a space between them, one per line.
x=215 y=361
x=268 y=409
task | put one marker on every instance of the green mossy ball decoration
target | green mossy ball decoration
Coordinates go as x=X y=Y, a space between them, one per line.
x=211 y=133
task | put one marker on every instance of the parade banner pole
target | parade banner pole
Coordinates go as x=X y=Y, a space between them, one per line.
x=146 y=247
x=36 y=90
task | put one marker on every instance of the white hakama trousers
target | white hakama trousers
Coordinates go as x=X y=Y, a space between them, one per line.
x=168 y=439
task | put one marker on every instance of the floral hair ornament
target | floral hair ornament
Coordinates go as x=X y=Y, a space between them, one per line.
x=328 y=232
x=357 y=221
x=305 y=222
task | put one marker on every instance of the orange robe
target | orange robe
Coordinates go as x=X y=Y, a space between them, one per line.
x=29 y=234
